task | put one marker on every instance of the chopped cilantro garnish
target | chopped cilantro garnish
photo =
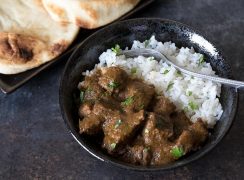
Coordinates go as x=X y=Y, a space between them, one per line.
x=193 y=105
x=116 y=49
x=170 y=85
x=113 y=145
x=127 y=101
x=179 y=73
x=166 y=71
x=177 y=152
x=118 y=123
x=146 y=149
x=82 y=96
x=133 y=70
x=141 y=106
x=104 y=94
x=113 y=84
x=89 y=89
x=189 y=93
x=201 y=60
x=146 y=43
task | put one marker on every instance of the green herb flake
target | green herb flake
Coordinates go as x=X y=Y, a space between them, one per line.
x=177 y=152
x=189 y=93
x=113 y=84
x=170 y=86
x=146 y=149
x=141 y=107
x=193 y=105
x=128 y=101
x=146 y=43
x=133 y=70
x=105 y=94
x=82 y=96
x=116 y=49
x=118 y=123
x=89 y=89
x=201 y=60
x=179 y=73
x=166 y=71
x=113 y=145
x=146 y=131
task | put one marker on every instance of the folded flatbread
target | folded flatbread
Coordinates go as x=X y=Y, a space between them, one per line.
x=88 y=13
x=29 y=37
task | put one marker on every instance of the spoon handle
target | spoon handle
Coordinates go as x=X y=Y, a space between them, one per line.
x=230 y=82
x=156 y=54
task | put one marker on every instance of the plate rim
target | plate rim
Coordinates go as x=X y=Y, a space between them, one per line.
x=7 y=89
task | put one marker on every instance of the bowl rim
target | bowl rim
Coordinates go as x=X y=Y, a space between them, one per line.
x=108 y=159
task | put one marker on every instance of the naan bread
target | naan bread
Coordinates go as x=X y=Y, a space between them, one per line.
x=88 y=13
x=29 y=37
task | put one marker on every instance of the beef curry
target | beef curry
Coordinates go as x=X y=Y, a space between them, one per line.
x=137 y=125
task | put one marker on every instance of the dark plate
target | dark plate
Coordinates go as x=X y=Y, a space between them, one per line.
x=123 y=33
x=9 y=83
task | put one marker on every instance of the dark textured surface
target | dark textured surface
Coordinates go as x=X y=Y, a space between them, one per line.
x=35 y=143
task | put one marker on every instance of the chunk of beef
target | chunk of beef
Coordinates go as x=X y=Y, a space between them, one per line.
x=91 y=124
x=136 y=96
x=156 y=133
x=163 y=106
x=193 y=137
x=85 y=109
x=161 y=154
x=120 y=129
x=92 y=90
x=102 y=107
x=157 y=129
x=90 y=80
x=116 y=105
x=112 y=78
x=138 y=154
x=181 y=122
x=106 y=109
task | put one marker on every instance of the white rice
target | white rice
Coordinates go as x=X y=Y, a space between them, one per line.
x=197 y=97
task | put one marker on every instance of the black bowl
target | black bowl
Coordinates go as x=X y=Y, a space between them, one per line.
x=123 y=33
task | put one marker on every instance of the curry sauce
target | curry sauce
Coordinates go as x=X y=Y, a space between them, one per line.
x=138 y=125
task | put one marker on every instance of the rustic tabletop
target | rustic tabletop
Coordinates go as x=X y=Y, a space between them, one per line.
x=34 y=141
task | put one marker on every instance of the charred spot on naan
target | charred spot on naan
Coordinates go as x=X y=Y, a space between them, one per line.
x=59 y=47
x=20 y=49
x=28 y=41
x=16 y=48
x=25 y=53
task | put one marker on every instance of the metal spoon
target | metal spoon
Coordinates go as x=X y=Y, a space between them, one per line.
x=158 y=56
